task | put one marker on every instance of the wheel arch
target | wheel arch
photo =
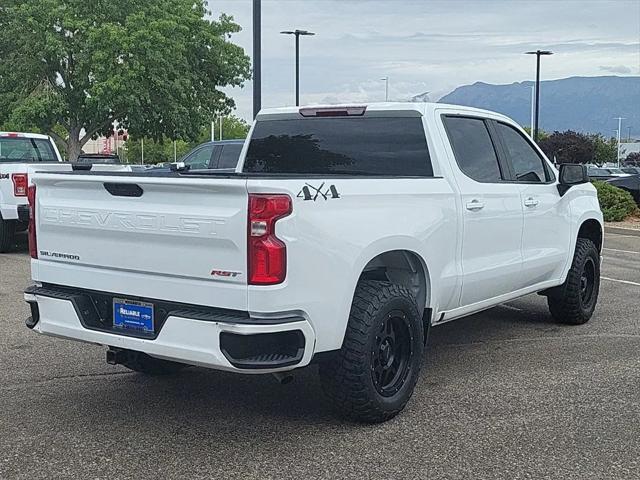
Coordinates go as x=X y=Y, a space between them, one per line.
x=403 y=267
x=591 y=229
x=590 y=226
x=406 y=267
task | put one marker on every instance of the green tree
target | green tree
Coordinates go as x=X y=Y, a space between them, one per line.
x=152 y=66
x=162 y=151
x=154 y=151
x=568 y=147
x=542 y=135
x=232 y=128
x=606 y=150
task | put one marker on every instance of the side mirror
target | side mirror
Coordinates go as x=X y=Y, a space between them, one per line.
x=571 y=174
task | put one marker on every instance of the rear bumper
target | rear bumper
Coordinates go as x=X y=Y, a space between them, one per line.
x=9 y=211
x=212 y=342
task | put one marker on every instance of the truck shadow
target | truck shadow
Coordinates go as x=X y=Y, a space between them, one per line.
x=20 y=244
x=230 y=406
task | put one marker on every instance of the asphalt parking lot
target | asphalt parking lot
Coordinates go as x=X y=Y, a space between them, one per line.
x=504 y=394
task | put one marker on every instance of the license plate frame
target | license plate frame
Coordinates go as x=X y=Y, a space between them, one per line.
x=133 y=315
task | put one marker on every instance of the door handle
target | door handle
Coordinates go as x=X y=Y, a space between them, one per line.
x=475 y=205
x=531 y=202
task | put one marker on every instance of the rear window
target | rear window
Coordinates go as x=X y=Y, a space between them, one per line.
x=26 y=150
x=357 y=146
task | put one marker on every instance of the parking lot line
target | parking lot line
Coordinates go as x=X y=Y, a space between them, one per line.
x=621 y=251
x=621 y=281
x=621 y=235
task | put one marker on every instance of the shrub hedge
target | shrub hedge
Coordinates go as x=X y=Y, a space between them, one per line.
x=616 y=204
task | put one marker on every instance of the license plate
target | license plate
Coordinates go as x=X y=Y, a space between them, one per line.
x=133 y=315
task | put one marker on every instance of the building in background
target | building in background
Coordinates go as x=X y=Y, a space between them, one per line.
x=107 y=145
x=628 y=147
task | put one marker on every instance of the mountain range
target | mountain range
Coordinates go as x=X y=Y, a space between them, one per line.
x=583 y=104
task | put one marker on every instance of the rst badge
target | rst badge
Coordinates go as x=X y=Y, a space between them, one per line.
x=224 y=273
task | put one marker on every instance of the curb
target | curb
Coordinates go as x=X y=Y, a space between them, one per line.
x=622 y=231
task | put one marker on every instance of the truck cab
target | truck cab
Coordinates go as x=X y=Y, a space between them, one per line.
x=19 y=153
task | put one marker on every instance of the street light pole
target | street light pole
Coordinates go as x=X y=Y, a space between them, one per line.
x=297 y=69
x=257 y=61
x=297 y=33
x=538 y=54
x=619 y=133
x=386 y=88
x=533 y=101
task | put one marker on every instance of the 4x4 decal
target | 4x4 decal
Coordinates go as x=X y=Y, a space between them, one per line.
x=310 y=192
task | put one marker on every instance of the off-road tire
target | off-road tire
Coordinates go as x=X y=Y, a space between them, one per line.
x=567 y=303
x=349 y=379
x=143 y=363
x=7 y=234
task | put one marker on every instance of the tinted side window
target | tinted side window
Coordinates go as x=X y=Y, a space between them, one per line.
x=200 y=158
x=473 y=148
x=229 y=156
x=528 y=166
x=390 y=146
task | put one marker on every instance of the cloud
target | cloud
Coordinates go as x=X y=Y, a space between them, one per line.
x=431 y=46
x=615 y=69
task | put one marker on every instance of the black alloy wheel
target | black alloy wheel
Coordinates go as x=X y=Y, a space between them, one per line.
x=391 y=355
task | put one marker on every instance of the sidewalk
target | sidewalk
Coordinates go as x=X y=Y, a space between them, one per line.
x=628 y=227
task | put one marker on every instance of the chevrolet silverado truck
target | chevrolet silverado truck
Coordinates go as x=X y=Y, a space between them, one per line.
x=344 y=234
x=19 y=153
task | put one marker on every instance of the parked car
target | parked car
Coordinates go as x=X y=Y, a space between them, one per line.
x=631 y=170
x=219 y=155
x=98 y=158
x=598 y=173
x=631 y=184
x=602 y=173
x=617 y=172
x=214 y=155
x=19 y=153
x=345 y=235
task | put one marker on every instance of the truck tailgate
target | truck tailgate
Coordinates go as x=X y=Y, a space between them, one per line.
x=145 y=236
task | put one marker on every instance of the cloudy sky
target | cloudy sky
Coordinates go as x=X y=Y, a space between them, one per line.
x=430 y=45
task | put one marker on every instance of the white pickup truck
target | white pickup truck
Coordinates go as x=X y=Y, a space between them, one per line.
x=343 y=236
x=19 y=154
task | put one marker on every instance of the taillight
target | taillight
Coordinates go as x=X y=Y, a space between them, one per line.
x=33 y=245
x=20 y=184
x=266 y=253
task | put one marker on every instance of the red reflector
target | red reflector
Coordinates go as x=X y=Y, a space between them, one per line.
x=266 y=253
x=33 y=245
x=333 y=111
x=20 y=184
